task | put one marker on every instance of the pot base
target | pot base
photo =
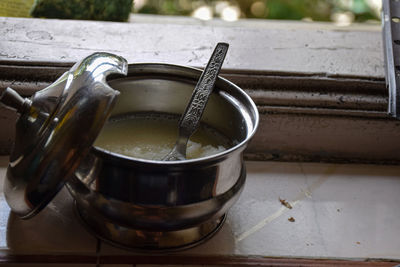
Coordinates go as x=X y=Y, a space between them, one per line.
x=141 y=240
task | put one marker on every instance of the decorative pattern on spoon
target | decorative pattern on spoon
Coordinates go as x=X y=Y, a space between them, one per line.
x=190 y=119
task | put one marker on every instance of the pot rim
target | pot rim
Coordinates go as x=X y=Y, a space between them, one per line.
x=214 y=157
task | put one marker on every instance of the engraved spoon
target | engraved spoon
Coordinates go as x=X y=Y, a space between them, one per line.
x=190 y=119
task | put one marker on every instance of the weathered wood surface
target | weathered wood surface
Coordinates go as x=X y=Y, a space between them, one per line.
x=185 y=260
x=264 y=47
x=320 y=90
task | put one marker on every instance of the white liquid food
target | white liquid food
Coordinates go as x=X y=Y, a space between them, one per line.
x=153 y=137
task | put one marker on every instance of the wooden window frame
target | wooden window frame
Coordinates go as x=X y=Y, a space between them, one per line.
x=320 y=89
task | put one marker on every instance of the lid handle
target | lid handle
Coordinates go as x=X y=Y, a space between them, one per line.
x=12 y=99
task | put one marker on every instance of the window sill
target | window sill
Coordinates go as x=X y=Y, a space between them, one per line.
x=332 y=205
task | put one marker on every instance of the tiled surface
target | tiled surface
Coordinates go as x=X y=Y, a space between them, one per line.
x=339 y=211
x=55 y=230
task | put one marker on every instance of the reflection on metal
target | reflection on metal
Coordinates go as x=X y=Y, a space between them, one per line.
x=143 y=240
x=391 y=40
x=56 y=128
x=165 y=205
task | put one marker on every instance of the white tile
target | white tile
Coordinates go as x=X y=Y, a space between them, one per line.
x=366 y=197
x=56 y=229
x=367 y=222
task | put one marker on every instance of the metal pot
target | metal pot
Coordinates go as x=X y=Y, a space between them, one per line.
x=156 y=202
x=137 y=203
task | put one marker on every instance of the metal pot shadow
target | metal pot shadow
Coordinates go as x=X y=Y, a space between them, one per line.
x=159 y=205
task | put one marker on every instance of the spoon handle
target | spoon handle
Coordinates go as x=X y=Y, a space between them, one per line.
x=190 y=119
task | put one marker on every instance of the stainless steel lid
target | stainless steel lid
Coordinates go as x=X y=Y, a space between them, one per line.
x=56 y=129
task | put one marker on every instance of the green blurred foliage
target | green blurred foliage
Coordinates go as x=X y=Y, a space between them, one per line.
x=317 y=10
x=114 y=10
x=167 y=7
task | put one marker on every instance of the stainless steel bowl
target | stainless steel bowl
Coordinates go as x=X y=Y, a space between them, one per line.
x=161 y=205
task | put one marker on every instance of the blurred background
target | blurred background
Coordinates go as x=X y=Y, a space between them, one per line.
x=337 y=11
x=341 y=12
